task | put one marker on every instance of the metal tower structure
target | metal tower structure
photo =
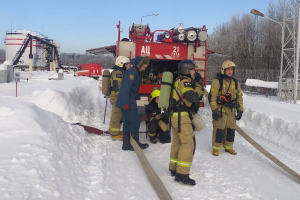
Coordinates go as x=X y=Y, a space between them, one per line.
x=289 y=68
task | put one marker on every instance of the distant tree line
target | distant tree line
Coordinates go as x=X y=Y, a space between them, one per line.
x=253 y=43
x=72 y=59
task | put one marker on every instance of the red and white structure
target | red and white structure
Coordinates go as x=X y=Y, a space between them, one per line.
x=16 y=39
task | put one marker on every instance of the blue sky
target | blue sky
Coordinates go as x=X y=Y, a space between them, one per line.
x=85 y=24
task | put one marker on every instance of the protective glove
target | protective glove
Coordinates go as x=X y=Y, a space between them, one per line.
x=198 y=77
x=239 y=115
x=215 y=114
x=126 y=107
x=154 y=120
x=165 y=115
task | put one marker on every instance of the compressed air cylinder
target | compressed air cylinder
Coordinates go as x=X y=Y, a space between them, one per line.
x=178 y=38
x=202 y=36
x=178 y=30
x=165 y=90
x=190 y=35
x=106 y=82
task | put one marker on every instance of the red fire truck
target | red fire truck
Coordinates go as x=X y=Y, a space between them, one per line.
x=166 y=49
x=90 y=69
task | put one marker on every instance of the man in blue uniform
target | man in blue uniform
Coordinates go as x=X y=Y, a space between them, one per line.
x=127 y=102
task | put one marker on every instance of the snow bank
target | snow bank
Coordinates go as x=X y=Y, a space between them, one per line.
x=37 y=155
x=279 y=136
x=44 y=157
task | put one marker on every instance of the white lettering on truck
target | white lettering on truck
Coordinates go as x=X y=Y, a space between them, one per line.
x=175 y=53
x=145 y=51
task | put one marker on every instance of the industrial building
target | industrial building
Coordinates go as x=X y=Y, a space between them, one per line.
x=23 y=47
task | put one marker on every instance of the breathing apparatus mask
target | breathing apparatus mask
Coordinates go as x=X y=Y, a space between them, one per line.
x=225 y=98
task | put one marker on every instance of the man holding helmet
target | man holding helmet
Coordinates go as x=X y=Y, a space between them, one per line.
x=226 y=102
x=186 y=91
x=122 y=63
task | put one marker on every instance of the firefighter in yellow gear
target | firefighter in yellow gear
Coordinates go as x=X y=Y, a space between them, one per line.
x=122 y=63
x=226 y=102
x=157 y=122
x=186 y=91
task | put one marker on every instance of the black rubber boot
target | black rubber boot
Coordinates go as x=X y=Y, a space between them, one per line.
x=126 y=142
x=185 y=179
x=173 y=172
x=153 y=140
x=136 y=137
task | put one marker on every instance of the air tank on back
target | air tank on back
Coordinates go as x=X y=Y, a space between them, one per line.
x=165 y=90
x=106 y=82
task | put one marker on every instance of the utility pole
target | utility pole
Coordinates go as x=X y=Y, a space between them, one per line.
x=290 y=44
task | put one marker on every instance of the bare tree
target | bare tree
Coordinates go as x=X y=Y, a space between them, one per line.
x=72 y=59
x=253 y=43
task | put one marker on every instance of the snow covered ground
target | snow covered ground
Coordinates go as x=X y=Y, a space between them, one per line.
x=43 y=156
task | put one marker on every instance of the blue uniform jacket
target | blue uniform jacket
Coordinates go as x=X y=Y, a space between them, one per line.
x=130 y=86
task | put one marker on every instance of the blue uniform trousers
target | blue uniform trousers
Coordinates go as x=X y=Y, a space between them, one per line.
x=131 y=121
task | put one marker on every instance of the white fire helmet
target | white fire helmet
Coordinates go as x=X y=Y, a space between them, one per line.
x=121 y=60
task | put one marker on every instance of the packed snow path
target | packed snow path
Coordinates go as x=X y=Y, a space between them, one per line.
x=44 y=157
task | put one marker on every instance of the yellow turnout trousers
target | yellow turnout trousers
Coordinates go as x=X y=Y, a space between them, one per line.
x=224 y=131
x=116 y=115
x=183 y=144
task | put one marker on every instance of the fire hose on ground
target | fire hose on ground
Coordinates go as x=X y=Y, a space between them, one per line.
x=156 y=182
x=264 y=151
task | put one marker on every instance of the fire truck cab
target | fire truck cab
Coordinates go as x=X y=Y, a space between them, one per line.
x=166 y=48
